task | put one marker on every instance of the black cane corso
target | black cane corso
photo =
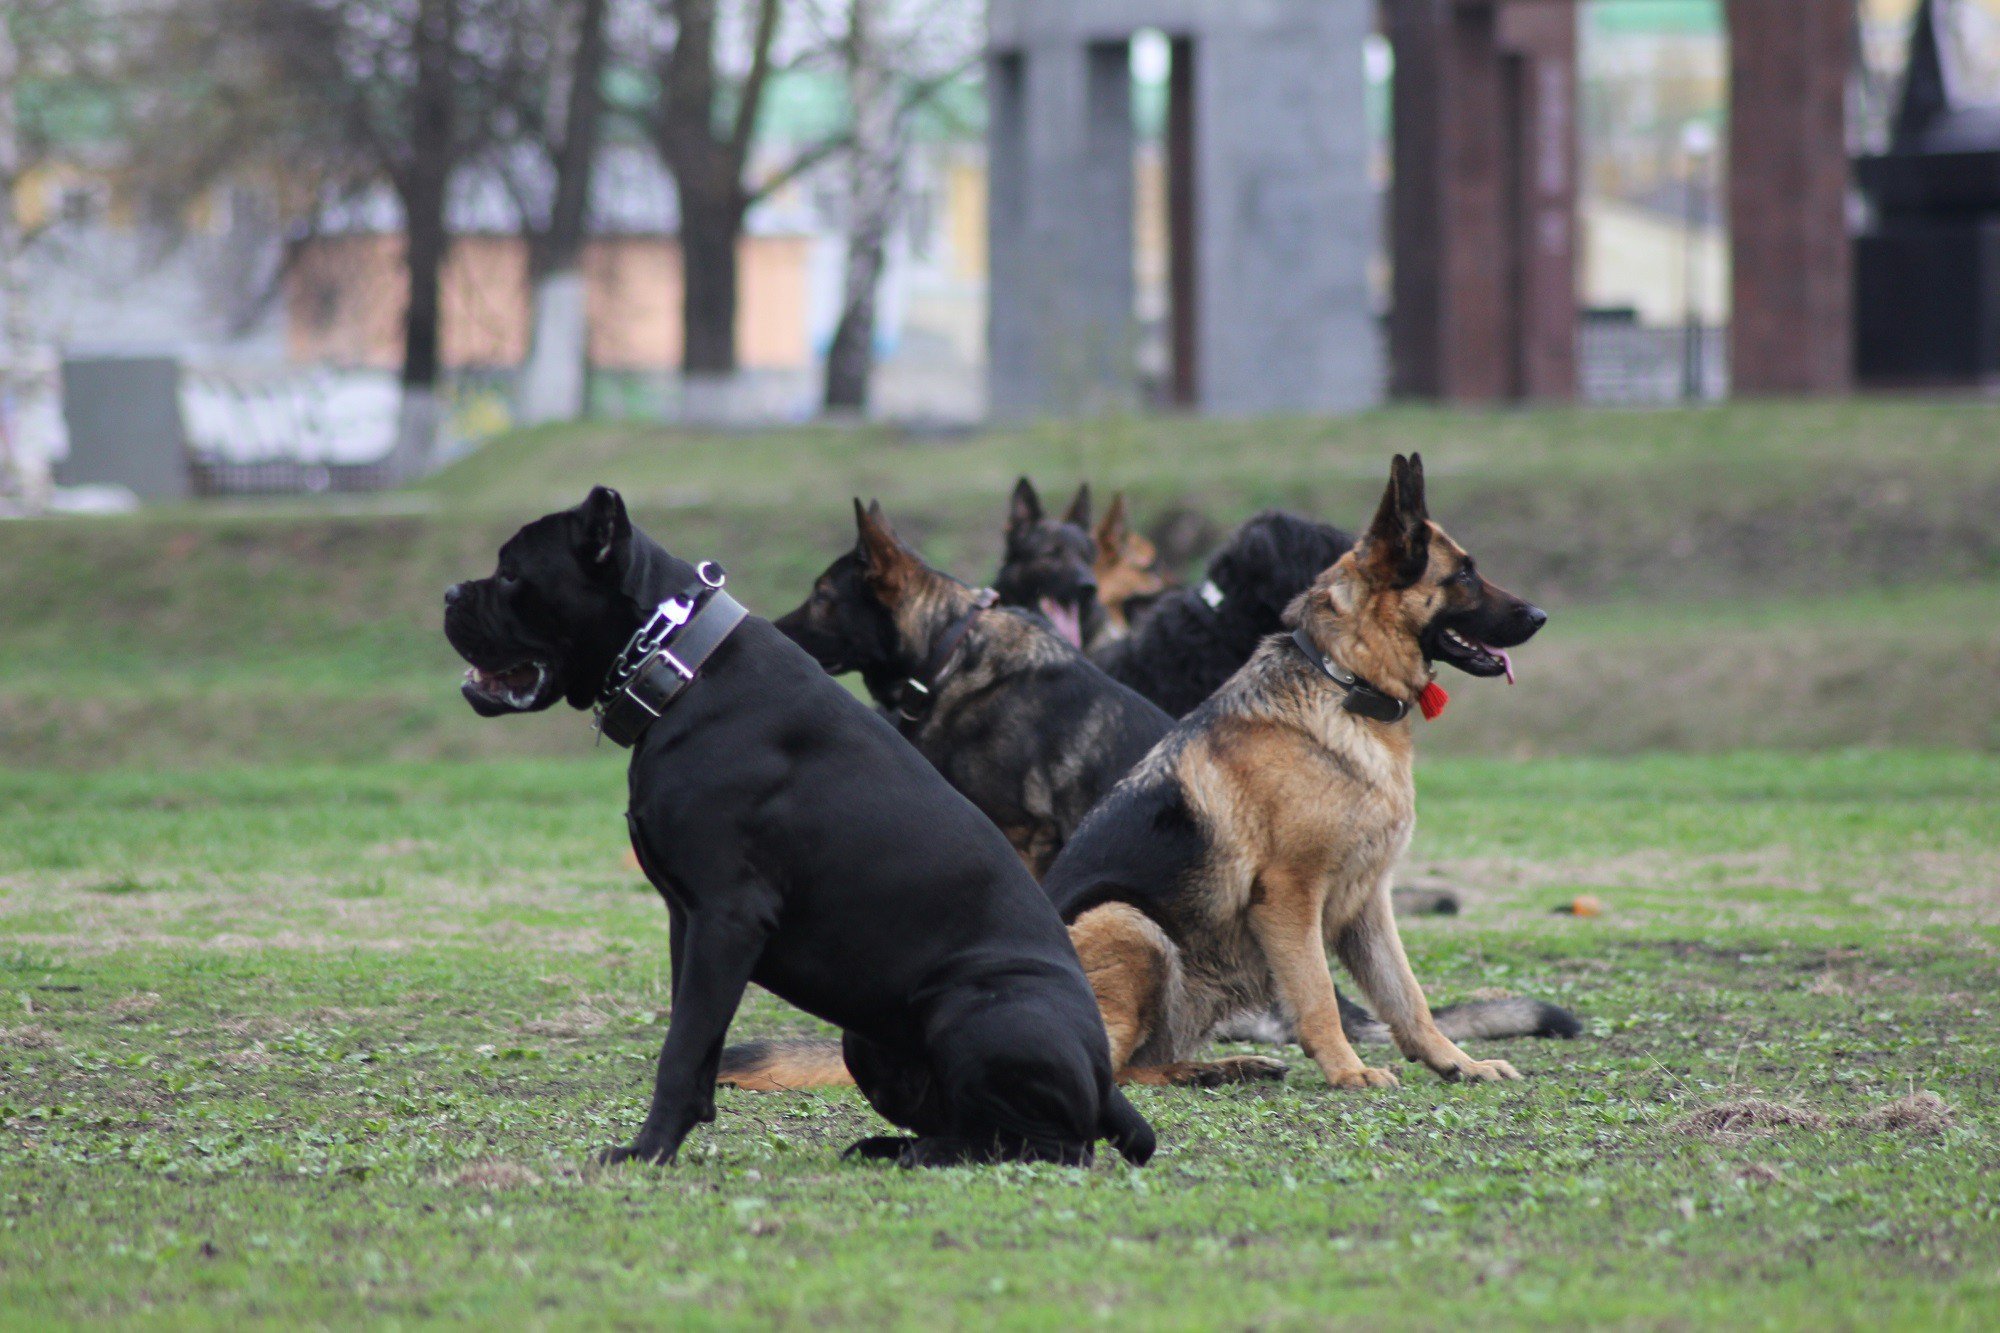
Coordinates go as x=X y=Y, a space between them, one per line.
x=800 y=844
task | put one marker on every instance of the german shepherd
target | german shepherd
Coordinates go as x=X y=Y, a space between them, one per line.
x=1263 y=830
x=1050 y=564
x=1013 y=716
x=1195 y=638
x=1033 y=735
x=1128 y=574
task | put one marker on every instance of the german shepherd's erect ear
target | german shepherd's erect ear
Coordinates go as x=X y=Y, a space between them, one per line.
x=1079 y=508
x=1398 y=545
x=887 y=561
x=1025 y=509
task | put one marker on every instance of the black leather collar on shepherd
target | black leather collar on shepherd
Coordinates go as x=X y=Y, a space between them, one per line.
x=1363 y=699
x=917 y=694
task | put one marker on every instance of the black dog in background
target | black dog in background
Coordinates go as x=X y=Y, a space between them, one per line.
x=801 y=845
x=1195 y=638
x=1050 y=565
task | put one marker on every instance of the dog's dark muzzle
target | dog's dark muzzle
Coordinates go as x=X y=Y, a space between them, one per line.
x=501 y=676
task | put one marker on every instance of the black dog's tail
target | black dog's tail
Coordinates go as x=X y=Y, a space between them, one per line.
x=1126 y=1130
x=785 y=1065
x=1473 y=1020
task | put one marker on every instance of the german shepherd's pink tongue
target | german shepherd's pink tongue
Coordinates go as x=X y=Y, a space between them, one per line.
x=1505 y=661
x=1066 y=619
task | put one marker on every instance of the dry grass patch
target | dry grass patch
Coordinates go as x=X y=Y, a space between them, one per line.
x=1920 y=1113
x=1747 y=1117
x=28 y=1037
x=495 y=1175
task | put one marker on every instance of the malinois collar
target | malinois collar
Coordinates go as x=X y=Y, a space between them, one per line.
x=665 y=655
x=1362 y=699
x=916 y=695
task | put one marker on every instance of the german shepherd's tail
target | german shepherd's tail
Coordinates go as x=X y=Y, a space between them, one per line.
x=785 y=1065
x=1473 y=1020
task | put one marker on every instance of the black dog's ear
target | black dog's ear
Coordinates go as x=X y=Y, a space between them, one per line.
x=1399 y=540
x=1025 y=510
x=607 y=530
x=1079 y=508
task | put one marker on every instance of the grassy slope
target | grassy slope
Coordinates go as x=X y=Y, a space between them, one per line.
x=1756 y=575
x=269 y=1029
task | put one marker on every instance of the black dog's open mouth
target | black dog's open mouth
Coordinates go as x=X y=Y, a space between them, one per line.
x=1067 y=617
x=1469 y=655
x=514 y=690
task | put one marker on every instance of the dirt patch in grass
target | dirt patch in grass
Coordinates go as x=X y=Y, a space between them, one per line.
x=132 y=1008
x=1747 y=1117
x=580 y=1020
x=495 y=1175
x=1920 y=1114
x=28 y=1037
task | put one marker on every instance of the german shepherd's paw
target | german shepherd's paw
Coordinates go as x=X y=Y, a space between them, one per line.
x=1364 y=1077
x=652 y=1154
x=1478 y=1071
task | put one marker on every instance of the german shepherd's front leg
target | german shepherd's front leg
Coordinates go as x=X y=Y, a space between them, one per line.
x=1372 y=949
x=1285 y=918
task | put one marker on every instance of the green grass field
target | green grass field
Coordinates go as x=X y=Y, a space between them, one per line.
x=316 y=992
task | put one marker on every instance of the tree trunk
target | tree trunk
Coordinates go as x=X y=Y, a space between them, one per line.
x=554 y=377
x=711 y=222
x=874 y=188
x=23 y=481
x=422 y=184
x=707 y=162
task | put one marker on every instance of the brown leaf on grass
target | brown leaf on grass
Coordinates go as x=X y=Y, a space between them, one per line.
x=28 y=1037
x=1920 y=1113
x=495 y=1175
x=1745 y=1117
x=1760 y=1173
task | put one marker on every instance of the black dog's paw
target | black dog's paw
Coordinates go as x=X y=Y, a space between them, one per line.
x=882 y=1148
x=651 y=1154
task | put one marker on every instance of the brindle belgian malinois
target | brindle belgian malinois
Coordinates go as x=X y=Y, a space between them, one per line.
x=1263 y=830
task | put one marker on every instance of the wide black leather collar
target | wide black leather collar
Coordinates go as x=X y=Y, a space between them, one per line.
x=665 y=655
x=1361 y=699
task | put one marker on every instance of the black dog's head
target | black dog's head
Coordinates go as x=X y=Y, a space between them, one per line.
x=553 y=616
x=1050 y=564
x=1269 y=561
x=1408 y=581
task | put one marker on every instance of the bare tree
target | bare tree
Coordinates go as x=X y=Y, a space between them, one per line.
x=704 y=127
x=898 y=55
x=401 y=91
x=42 y=43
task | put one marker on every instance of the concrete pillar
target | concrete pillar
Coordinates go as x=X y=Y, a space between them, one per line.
x=1061 y=200
x=1791 y=329
x=1272 y=212
x=1285 y=213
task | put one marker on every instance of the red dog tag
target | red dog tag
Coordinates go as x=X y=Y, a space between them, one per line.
x=1432 y=701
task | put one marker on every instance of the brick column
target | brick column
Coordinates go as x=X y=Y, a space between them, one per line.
x=1791 y=328
x=1484 y=211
